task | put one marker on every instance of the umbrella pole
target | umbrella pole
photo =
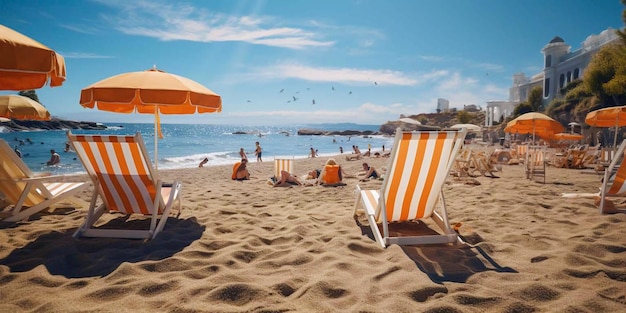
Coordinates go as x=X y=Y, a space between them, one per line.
x=156 y=152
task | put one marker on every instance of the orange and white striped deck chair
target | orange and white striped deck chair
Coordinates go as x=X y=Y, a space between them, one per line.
x=614 y=182
x=521 y=151
x=28 y=193
x=419 y=164
x=125 y=182
x=536 y=163
x=283 y=164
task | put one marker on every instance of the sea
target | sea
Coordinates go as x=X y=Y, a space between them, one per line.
x=185 y=145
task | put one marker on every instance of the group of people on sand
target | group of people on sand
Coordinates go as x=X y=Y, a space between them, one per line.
x=332 y=173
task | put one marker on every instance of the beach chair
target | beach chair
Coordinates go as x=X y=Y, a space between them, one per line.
x=521 y=151
x=613 y=184
x=536 y=163
x=283 y=164
x=27 y=192
x=125 y=182
x=419 y=164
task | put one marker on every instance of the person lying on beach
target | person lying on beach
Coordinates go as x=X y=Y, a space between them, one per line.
x=370 y=171
x=240 y=172
x=353 y=157
x=287 y=180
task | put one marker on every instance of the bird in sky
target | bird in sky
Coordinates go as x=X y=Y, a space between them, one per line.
x=333 y=87
x=281 y=91
x=288 y=101
x=375 y=83
x=350 y=92
x=294 y=98
x=313 y=101
x=249 y=101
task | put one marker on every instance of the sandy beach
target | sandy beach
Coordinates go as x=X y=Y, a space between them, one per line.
x=249 y=247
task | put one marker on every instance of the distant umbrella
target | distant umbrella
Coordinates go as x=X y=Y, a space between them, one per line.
x=469 y=127
x=534 y=123
x=22 y=108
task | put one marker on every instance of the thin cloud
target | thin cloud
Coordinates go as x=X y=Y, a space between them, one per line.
x=184 y=22
x=83 y=55
x=339 y=75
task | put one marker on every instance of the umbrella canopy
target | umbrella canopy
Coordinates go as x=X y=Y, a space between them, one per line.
x=534 y=123
x=469 y=127
x=27 y=64
x=608 y=117
x=153 y=92
x=22 y=108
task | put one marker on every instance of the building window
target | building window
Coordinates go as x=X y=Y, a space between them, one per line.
x=569 y=77
x=561 y=80
x=548 y=60
x=546 y=87
x=576 y=73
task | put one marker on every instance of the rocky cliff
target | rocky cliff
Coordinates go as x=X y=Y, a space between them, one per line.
x=52 y=124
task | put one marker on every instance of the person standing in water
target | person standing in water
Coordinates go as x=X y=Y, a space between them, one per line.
x=258 y=152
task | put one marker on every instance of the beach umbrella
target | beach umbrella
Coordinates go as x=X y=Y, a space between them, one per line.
x=152 y=92
x=469 y=127
x=27 y=64
x=534 y=123
x=567 y=136
x=608 y=117
x=22 y=108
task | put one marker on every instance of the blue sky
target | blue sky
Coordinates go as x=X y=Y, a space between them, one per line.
x=362 y=61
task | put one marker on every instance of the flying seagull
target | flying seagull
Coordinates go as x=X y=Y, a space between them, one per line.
x=350 y=92
x=333 y=87
x=313 y=101
x=281 y=91
x=375 y=83
x=249 y=101
x=294 y=98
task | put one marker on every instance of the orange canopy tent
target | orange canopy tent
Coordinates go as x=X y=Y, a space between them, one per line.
x=152 y=92
x=27 y=64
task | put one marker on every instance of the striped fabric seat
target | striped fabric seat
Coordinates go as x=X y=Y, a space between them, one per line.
x=521 y=150
x=283 y=165
x=536 y=164
x=419 y=164
x=26 y=192
x=125 y=181
x=614 y=182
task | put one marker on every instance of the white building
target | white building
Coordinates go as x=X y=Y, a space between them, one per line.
x=443 y=105
x=561 y=66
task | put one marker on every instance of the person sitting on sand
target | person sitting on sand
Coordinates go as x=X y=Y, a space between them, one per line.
x=55 y=158
x=240 y=171
x=287 y=180
x=203 y=162
x=333 y=173
x=370 y=171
